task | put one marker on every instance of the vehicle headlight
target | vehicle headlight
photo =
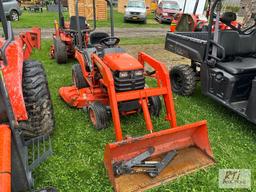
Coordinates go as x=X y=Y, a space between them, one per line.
x=138 y=73
x=165 y=14
x=123 y=74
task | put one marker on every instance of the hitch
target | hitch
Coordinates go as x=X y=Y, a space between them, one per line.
x=138 y=164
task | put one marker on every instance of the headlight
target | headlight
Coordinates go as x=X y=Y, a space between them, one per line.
x=123 y=74
x=139 y=73
x=165 y=14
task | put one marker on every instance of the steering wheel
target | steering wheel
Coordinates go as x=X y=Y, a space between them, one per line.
x=110 y=41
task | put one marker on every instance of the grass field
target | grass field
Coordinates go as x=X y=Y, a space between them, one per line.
x=46 y=20
x=77 y=163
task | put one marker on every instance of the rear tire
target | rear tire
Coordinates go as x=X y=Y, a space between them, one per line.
x=98 y=115
x=60 y=51
x=37 y=100
x=183 y=80
x=155 y=106
x=78 y=78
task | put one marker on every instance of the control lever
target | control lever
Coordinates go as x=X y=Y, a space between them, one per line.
x=138 y=164
x=149 y=73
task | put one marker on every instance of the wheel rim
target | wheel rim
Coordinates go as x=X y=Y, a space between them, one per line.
x=15 y=16
x=92 y=117
x=177 y=81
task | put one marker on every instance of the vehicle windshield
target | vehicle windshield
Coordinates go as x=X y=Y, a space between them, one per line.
x=171 y=6
x=137 y=4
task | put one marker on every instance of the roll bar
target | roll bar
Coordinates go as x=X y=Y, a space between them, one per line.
x=195 y=7
x=80 y=42
x=214 y=5
x=3 y=20
x=61 y=17
x=8 y=33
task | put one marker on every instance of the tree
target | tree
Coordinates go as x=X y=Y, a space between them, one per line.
x=249 y=12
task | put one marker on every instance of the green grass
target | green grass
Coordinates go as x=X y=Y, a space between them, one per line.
x=46 y=20
x=77 y=163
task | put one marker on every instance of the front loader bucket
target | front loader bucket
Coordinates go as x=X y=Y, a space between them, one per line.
x=193 y=153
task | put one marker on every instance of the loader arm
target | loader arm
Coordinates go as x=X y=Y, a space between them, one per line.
x=30 y=40
x=164 y=88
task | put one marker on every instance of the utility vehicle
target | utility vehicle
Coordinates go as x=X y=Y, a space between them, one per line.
x=224 y=62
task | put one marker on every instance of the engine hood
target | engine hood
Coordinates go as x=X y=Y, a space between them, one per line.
x=122 y=62
x=135 y=9
x=170 y=11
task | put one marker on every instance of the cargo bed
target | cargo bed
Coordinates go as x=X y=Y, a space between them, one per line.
x=191 y=45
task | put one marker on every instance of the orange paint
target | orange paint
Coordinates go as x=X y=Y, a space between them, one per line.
x=121 y=62
x=173 y=137
x=5 y=158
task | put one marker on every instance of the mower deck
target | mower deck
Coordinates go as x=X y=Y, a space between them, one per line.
x=81 y=97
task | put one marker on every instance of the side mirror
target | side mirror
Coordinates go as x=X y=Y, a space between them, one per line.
x=125 y=6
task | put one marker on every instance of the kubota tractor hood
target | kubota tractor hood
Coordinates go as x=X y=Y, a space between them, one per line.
x=122 y=62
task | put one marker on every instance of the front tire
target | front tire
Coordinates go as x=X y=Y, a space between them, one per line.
x=183 y=80
x=98 y=115
x=155 y=106
x=37 y=100
x=14 y=16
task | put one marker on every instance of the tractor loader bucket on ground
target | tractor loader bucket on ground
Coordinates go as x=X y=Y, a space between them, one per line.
x=193 y=153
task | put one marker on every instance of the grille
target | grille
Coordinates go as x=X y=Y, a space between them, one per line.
x=135 y=13
x=129 y=83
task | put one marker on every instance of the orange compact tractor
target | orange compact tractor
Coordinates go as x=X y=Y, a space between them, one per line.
x=109 y=83
x=64 y=37
x=26 y=113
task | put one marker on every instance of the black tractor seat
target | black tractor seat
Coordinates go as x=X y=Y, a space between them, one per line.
x=240 y=65
x=96 y=37
x=82 y=22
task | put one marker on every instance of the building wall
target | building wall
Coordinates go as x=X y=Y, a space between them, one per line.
x=85 y=8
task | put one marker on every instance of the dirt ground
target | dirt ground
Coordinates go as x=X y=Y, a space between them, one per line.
x=158 y=52
x=119 y=32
